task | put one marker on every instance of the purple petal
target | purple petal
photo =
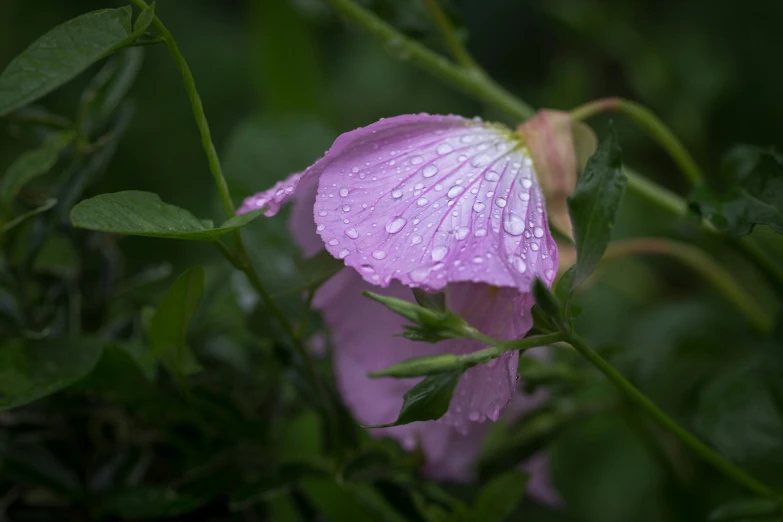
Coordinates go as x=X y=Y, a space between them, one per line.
x=273 y=198
x=430 y=200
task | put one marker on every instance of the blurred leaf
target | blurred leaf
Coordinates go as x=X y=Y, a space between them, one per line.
x=139 y=213
x=754 y=197
x=169 y=325
x=316 y=270
x=549 y=304
x=144 y=19
x=21 y=218
x=150 y=502
x=277 y=483
x=63 y=53
x=428 y=400
x=29 y=166
x=593 y=206
x=34 y=465
x=34 y=369
x=746 y=509
x=500 y=496
x=434 y=301
x=124 y=373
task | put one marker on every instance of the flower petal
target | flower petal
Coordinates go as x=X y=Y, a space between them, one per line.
x=429 y=200
x=273 y=198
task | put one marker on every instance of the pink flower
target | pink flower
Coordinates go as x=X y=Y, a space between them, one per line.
x=442 y=203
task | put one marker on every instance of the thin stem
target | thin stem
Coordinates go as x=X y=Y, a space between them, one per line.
x=458 y=51
x=471 y=81
x=634 y=395
x=705 y=265
x=650 y=123
x=198 y=111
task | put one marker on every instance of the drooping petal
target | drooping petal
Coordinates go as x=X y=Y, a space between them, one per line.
x=430 y=200
x=273 y=198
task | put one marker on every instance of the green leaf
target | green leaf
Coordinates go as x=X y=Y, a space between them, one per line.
x=169 y=324
x=428 y=400
x=34 y=369
x=593 y=206
x=138 y=213
x=746 y=509
x=149 y=502
x=145 y=19
x=754 y=197
x=316 y=270
x=29 y=166
x=433 y=301
x=61 y=54
x=277 y=483
x=498 y=499
x=18 y=220
x=549 y=305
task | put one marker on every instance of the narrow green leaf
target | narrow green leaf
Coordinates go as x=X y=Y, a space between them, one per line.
x=434 y=301
x=593 y=206
x=747 y=509
x=498 y=499
x=138 y=213
x=549 y=304
x=29 y=166
x=34 y=369
x=149 y=502
x=18 y=220
x=419 y=366
x=169 y=324
x=428 y=400
x=61 y=54
x=755 y=196
x=145 y=19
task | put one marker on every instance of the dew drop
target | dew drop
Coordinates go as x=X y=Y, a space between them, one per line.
x=480 y=233
x=478 y=260
x=462 y=233
x=334 y=242
x=352 y=233
x=323 y=213
x=343 y=192
x=454 y=191
x=534 y=247
x=474 y=415
x=422 y=201
x=538 y=232
x=396 y=193
x=343 y=253
x=467 y=138
x=527 y=183
x=379 y=254
x=478 y=207
x=491 y=175
x=501 y=202
x=416 y=239
x=320 y=228
x=429 y=171
x=395 y=225
x=524 y=196
x=438 y=253
x=367 y=269
x=419 y=274
x=513 y=224
x=346 y=208
x=444 y=148
x=519 y=264
x=416 y=160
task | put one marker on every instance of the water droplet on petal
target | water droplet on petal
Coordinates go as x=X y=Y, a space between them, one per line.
x=491 y=175
x=538 y=232
x=524 y=196
x=379 y=254
x=429 y=171
x=343 y=192
x=501 y=202
x=320 y=228
x=439 y=253
x=444 y=148
x=478 y=207
x=323 y=213
x=416 y=239
x=519 y=264
x=480 y=233
x=395 y=225
x=478 y=260
x=474 y=415
x=527 y=183
x=462 y=233
x=513 y=224
x=396 y=193
x=422 y=201
x=420 y=274
x=346 y=208
x=343 y=253
x=416 y=160
x=367 y=269
x=334 y=242
x=534 y=247
x=352 y=233
x=454 y=191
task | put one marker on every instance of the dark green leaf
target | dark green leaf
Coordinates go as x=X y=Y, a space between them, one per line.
x=61 y=54
x=138 y=213
x=549 y=305
x=34 y=369
x=18 y=220
x=34 y=465
x=434 y=301
x=150 y=502
x=169 y=325
x=428 y=400
x=145 y=19
x=593 y=205
x=30 y=165
x=498 y=499
x=746 y=509
x=267 y=487
x=316 y=270
x=754 y=197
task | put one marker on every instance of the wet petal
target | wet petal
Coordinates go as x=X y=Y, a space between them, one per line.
x=273 y=198
x=429 y=200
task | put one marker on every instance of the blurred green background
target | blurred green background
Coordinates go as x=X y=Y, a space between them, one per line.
x=281 y=79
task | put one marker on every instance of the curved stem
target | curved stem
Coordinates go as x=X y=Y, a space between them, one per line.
x=470 y=80
x=705 y=265
x=198 y=111
x=650 y=123
x=458 y=51
x=635 y=396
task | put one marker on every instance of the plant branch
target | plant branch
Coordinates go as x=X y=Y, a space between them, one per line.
x=705 y=265
x=458 y=51
x=639 y=399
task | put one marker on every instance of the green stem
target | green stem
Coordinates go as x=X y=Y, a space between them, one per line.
x=650 y=123
x=198 y=111
x=470 y=80
x=458 y=51
x=634 y=395
x=705 y=265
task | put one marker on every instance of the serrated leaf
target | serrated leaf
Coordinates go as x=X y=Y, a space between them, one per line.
x=755 y=196
x=593 y=206
x=169 y=324
x=137 y=213
x=61 y=54
x=500 y=496
x=29 y=166
x=428 y=400
x=30 y=370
